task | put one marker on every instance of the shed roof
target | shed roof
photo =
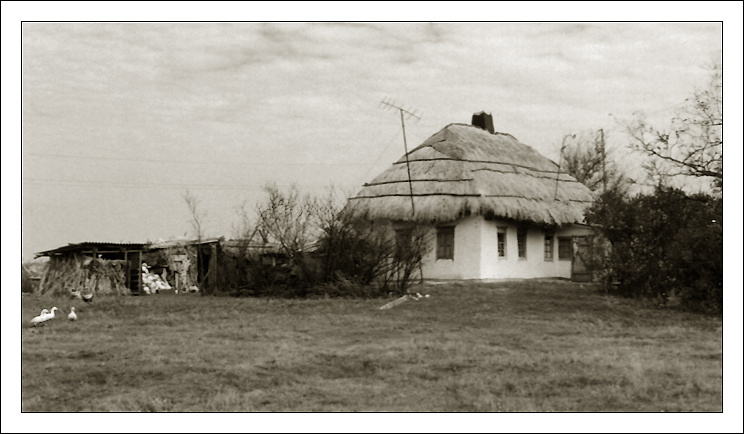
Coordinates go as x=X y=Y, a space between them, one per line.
x=89 y=246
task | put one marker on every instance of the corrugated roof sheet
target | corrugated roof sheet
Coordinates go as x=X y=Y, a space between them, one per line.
x=89 y=245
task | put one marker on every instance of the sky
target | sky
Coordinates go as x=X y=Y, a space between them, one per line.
x=121 y=119
x=113 y=122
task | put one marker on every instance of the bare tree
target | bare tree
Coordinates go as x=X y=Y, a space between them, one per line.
x=247 y=229
x=327 y=242
x=338 y=231
x=198 y=218
x=365 y=252
x=288 y=218
x=585 y=158
x=693 y=145
x=411 y=246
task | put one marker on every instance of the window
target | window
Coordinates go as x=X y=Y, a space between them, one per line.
x=403 y=238
x=565 y=248
x=502 y=242
x=548 y=247
x=522 y=242
x=446 y=242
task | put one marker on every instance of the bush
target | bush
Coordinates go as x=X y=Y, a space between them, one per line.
x=662 y=245
x=321 y=248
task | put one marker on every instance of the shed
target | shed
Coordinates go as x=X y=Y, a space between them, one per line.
x=93 y=267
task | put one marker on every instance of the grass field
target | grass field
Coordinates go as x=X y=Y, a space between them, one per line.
x=511 y=346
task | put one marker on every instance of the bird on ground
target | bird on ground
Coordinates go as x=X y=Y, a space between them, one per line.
x=88 y=298
x=72 y=316
x=50 y=315
x=41 y=318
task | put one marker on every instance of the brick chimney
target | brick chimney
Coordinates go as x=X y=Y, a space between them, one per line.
x=483 y=121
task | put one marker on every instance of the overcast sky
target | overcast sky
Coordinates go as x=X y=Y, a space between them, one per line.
x=120 y=119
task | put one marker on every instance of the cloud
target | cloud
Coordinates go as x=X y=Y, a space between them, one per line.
x=295 y=93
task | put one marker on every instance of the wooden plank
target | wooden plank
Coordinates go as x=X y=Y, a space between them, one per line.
x=395 y=302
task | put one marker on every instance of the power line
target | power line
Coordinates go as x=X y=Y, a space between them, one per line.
x=192 y=106
x=149 y=160
x=383 y=151
x=151 y=185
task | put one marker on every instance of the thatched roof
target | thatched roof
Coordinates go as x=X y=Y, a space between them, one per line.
x=463 y=170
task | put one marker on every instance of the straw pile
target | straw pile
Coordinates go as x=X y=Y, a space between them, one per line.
x=463 y=170
x=69 y=273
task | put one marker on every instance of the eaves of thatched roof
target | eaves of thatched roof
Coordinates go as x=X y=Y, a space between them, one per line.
x=464 y=170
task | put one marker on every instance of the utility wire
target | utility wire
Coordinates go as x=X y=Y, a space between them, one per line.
x=149 y=160
x=390 y=142
x=154 y=185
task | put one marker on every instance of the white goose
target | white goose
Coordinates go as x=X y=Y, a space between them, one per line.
x=50 y=315
x=72 y=316
x=41 y=318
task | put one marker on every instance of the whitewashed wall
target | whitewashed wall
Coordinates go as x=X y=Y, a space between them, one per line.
x=476 y=252
x=534 y=265
x=466 y=263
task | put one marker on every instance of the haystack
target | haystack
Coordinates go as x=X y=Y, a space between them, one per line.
x=465 y=170
x=77 y=272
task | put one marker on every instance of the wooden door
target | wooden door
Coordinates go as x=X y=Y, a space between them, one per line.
x=134 y=272
x=580 y=270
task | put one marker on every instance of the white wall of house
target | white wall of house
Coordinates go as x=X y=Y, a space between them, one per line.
x=534 y=263
x=466 y=263
x=476 y=253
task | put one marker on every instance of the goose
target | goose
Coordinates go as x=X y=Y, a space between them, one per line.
x=72 y=316
x=88 y=298
x=50 y=315
x=41 y=318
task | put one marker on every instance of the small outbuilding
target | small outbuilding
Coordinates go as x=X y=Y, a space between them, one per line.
x=93 y=267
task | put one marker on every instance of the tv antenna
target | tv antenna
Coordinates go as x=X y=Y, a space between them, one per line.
x=403 y=113
x=560 y=157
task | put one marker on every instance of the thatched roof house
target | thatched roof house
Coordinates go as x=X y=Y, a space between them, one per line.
x=500 y=195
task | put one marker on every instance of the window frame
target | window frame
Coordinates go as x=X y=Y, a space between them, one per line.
x=570 y=248
x=501 y=245
x=522 y=243
x=403 y=238
x=445 y=250
x=549 y=240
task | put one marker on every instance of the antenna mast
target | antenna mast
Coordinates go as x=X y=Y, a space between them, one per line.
x=604 y=157
x=560 y=157
x=405 y=145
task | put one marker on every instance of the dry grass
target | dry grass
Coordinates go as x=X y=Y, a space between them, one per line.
x=512 y=346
